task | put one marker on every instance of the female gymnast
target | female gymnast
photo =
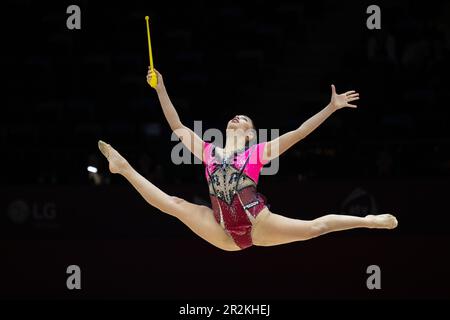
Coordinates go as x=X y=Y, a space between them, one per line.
x=240 y=217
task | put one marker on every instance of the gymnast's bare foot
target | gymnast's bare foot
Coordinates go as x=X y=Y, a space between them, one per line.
x=117 y=163
x=382 y=221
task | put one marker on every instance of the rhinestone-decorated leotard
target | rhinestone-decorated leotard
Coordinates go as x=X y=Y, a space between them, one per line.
x=232 y=188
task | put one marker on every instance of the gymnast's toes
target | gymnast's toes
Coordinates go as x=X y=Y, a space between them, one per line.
x=384 y=221
x=103 y=146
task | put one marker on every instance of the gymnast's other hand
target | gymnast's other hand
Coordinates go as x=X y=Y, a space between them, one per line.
x=343 y=100
x=160 y=83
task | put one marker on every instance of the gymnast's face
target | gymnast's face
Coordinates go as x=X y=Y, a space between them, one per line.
x=241 y=122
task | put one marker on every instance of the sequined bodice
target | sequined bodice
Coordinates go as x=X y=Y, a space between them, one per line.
x=226 y=180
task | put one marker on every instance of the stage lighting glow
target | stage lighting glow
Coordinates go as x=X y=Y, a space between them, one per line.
x=92 y=169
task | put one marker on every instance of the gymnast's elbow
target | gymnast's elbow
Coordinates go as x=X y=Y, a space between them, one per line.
x=181 y=132
x=177 y=127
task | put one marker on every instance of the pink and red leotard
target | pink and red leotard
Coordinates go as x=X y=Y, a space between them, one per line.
x=232 y=188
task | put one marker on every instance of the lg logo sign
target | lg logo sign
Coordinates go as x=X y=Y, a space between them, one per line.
x=21 y=211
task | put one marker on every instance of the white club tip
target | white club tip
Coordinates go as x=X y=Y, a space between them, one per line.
x=92 y=169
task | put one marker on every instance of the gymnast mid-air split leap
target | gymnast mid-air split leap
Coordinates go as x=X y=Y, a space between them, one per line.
x=239 y=217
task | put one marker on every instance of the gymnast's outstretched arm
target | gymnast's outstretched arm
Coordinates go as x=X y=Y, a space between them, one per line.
x=276 y=147
x=189 y=138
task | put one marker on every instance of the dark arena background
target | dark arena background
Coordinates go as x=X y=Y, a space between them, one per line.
x=64 y=89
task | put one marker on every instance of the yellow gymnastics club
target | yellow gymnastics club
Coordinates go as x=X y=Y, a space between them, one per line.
x=153 y=80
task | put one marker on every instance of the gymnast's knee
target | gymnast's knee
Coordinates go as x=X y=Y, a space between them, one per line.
x=317 y=227
x=177 y=200
x=173 y=206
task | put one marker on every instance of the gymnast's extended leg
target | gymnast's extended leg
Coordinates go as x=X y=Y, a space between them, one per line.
x=198 y=218
x=274 y=229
